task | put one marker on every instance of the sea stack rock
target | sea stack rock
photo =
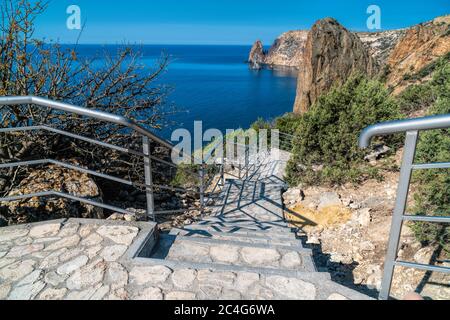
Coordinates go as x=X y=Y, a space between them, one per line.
x=331 y=55
x=257 y=55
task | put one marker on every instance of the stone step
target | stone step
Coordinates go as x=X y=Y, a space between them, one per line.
x=271 y=232
x=222 y=282
x=241 y=237
x=201 y=250
x=260 y=226
x=245 y=220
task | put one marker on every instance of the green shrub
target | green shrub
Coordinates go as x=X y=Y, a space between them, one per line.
x=416 y=97
x=287 y=123
x=326 y=143
x=433 y=186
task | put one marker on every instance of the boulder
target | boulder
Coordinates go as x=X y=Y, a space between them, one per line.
x=331 y=55
x=53 y=178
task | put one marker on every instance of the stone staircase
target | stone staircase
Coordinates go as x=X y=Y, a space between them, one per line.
x=246 y=234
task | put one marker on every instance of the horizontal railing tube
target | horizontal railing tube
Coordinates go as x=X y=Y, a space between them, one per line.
x=397 y=126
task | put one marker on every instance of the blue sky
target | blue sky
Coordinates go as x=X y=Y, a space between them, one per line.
x=219 y=21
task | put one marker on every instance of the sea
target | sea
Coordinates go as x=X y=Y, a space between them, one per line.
x=214 y=84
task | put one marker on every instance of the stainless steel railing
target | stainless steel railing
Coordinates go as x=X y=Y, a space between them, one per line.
x=245 y=165
x=412 y=128
x=147 y=138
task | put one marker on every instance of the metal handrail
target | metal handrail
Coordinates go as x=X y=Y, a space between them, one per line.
x=147 y=136
x=412 y=128
x=96 y=114
x=391 y=127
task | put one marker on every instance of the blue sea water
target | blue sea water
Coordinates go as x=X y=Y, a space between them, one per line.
x=215 y=85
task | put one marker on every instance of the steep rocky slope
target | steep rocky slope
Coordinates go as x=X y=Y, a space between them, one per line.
x=420 y=46
x=331 y=54
x=288 y=49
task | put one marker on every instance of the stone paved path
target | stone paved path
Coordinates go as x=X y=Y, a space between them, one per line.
x=244 y=250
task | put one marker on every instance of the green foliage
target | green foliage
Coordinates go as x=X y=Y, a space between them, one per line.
x=325 y=146
x=416 y=97
x=287 y=123
x=433 y=186
x=261 y=124
x=186 y=176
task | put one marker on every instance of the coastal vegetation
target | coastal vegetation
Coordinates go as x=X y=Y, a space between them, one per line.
x=325 y=151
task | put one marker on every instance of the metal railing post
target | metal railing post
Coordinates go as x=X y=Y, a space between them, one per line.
x=202 y=188
x=148 y=178
x=222 y=172
x=399 y=210
x=246 y=161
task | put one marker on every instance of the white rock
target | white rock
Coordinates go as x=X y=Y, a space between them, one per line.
x=336 y=296
x=141 y=275
x=87 y=276
x=52 y=259
x=45 y=230
x=367 y=246
x=112 y=253
x=54 y=279
x=20 y=251
x=6 y=261
x=92 y=240
x=66 y=242
x=291 y=288
x=93 y=251
x=83 y=294
x=259 y=257
x=31 y=278
x=4 y=290
x=100 y=293
x=245 y=280
x=225 y=253
x=118 y=234
x=291 y=260
x=23 y=241
x=69 y=229
x=328 y=199
x=364 y=217
x=184 y=278
x=26 y=292
x=180 y=295
x=424 y=255
x=72 y=265
x=86 y=229
x=17 y=270
x=53 y=294
x=222 y=278
x=71 y=253
x=7 y=234
x=150 y=293
x=116 y=276
x=46 y=240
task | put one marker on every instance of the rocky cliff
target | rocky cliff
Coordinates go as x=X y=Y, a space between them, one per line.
x=331 y=54
x=417 y=48
x=328 y=53
x=286 y=51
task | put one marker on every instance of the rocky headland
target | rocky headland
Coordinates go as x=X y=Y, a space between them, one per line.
x=328 y=53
